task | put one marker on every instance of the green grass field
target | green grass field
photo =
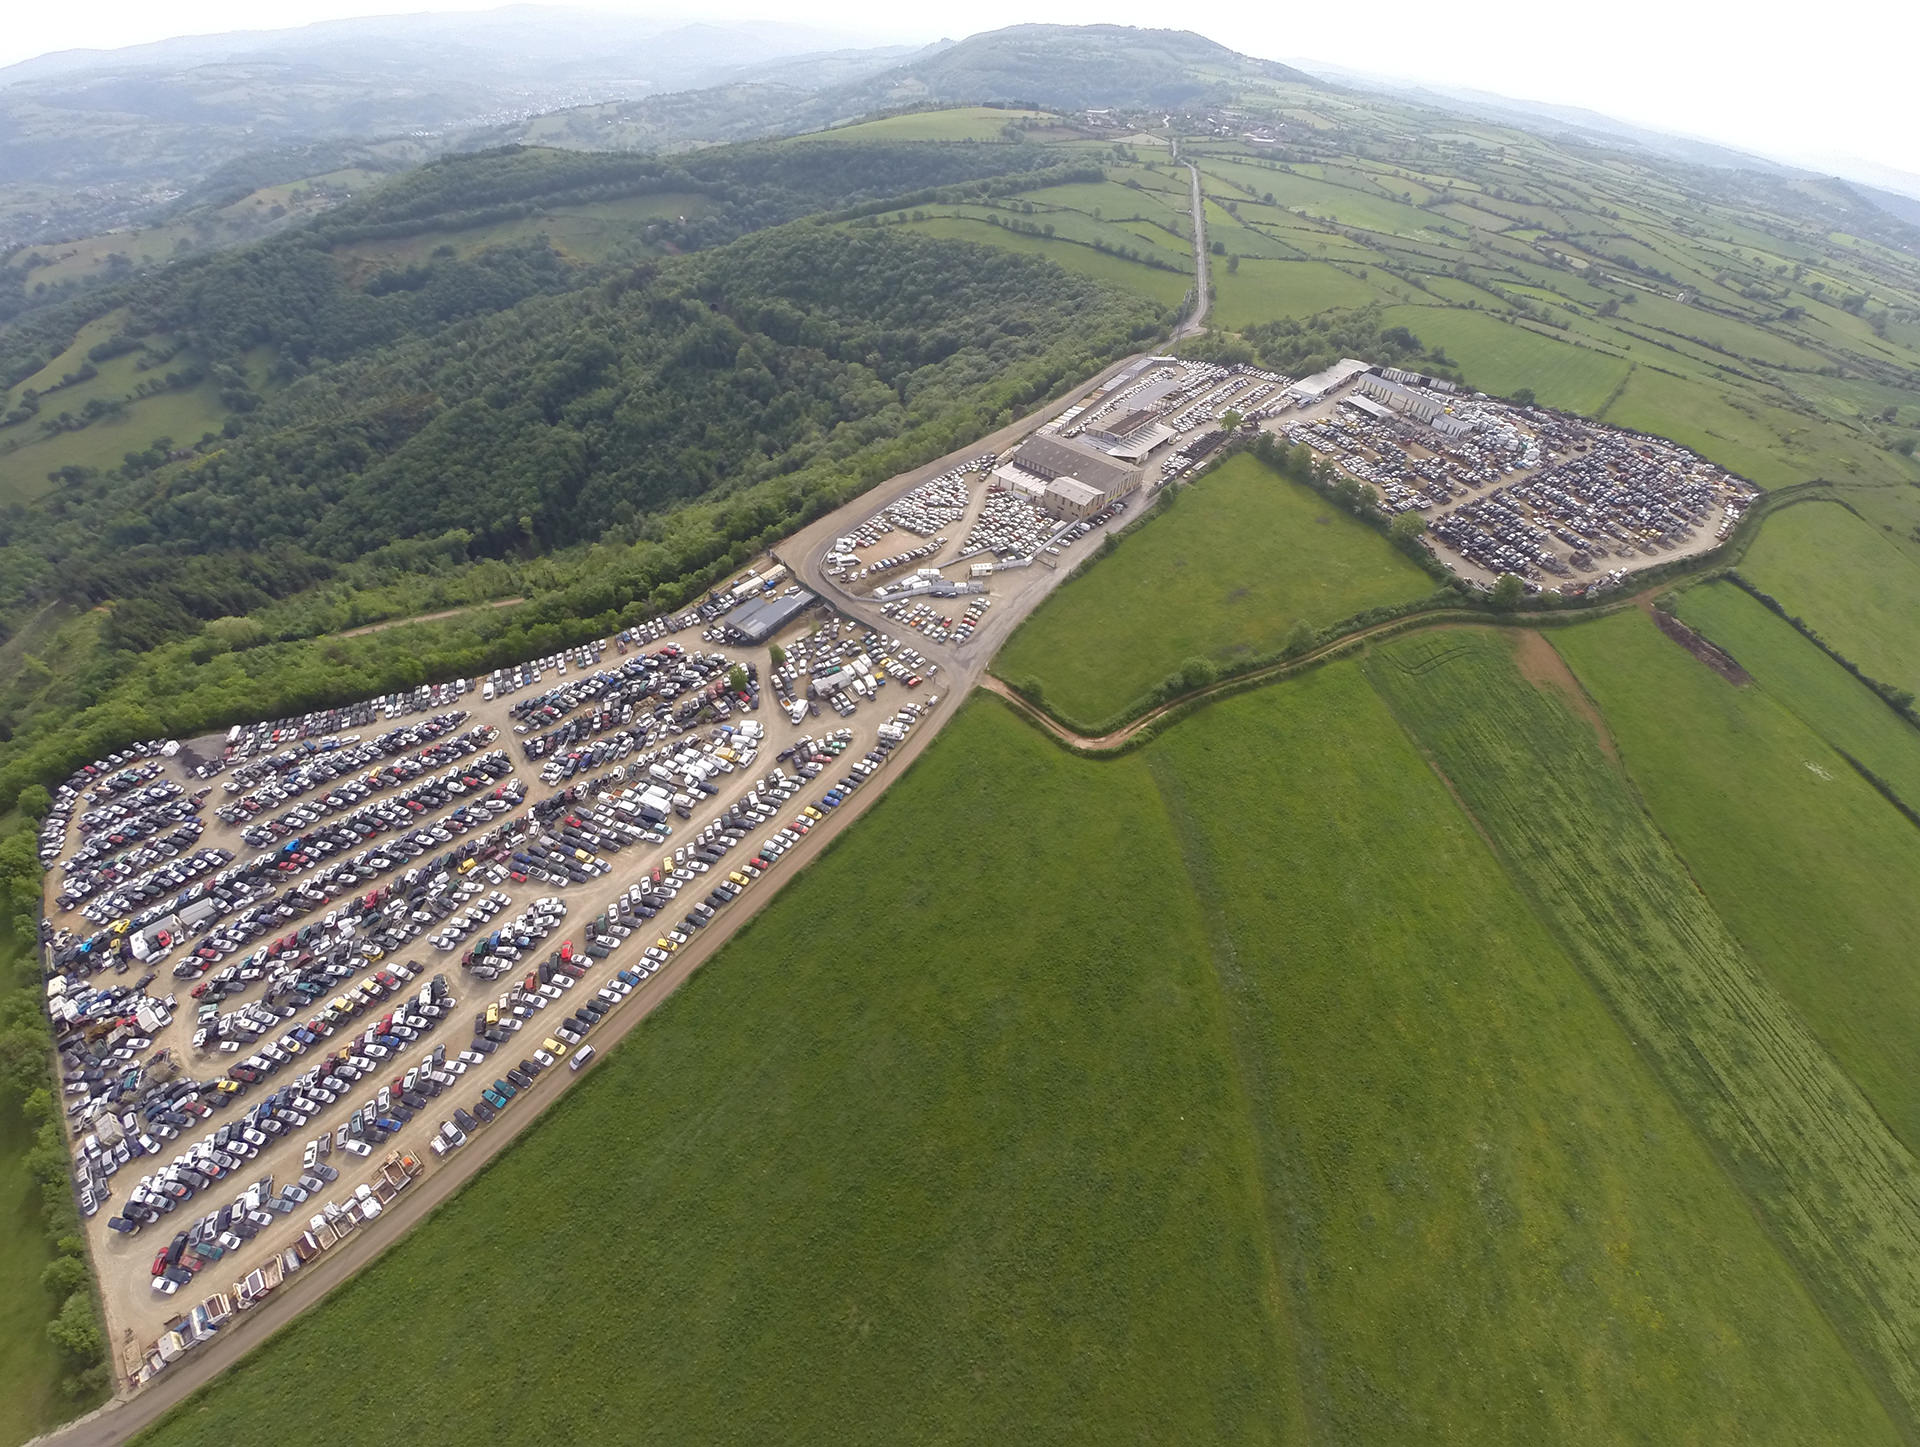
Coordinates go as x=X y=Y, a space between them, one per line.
x=1854 y=587
x=183 y=416
x=1809 y=866
x=1829 y=700
x=1501 y=358
x=1261 y=291
x=1243 y=556
x=590 y=231
x=962 y=123
x=1460 y=1146
x=909 y=1162
x=1165 y=287
x=1828 y=1179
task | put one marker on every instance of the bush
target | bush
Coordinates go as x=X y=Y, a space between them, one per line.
x=64 y=1275
x=76 y=1331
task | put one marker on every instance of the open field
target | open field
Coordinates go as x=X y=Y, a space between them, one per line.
x=1165 y=287
x=589 y=231
x=1852 y=586
x=1842 y=710
x=962 y=123
x=1442 y=1101
x=963 y=1173
x=183 y=416
x=1501 y=357
x=1829 y=1181
x=1244 y=555
x=1809 y=866
x=1148 y=1154
x=1260 y=291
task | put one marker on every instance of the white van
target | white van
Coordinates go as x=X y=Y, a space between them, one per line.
x=580 y=1057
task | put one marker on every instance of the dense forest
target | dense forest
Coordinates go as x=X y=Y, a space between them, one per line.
x=550 y=423
x=744 y=188
x=604 y=439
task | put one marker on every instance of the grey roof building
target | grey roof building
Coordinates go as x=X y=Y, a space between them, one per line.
x=1048 y=457
x=761 y=618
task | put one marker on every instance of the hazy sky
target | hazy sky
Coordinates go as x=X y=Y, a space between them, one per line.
x=1811 y=84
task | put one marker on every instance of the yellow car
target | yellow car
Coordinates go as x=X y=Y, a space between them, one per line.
x=666 y=944
x=813 y=813
x=553 y=1047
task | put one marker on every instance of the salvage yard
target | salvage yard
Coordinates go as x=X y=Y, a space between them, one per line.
x=292 y=963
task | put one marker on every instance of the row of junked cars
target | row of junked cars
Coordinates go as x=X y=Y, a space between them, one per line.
x=563 y=978
x=224 y=1151
x=288 y=1058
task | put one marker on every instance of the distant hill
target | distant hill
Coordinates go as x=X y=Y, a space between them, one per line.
x=94 y=139
x=1053 y=67
x=1074 y=67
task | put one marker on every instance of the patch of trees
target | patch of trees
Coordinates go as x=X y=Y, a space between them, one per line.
x=605 y=452
x=1302 y=346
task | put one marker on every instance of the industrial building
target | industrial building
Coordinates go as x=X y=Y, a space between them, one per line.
x=760 y=619
x=1417 y=405
x=1309 y=390
x=1066 y=497
x=1047 y=458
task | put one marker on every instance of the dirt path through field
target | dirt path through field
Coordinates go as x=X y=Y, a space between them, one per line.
x=366 y=628
x=1542 y=666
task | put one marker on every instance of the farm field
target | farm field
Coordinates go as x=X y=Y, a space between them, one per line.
x=1147 y=1154
x=1223 y=575
x=183 y=416
x=962 y=1174
x=1809 y=866
x=1165 y=287
x=1792 y=1128
x=1854 y=587
x=1759 y=440
x=1440 y=1097
x=1842 y=710
x=590 y=231
x=1261 y=290
x=1500 y=357
x=961 y=123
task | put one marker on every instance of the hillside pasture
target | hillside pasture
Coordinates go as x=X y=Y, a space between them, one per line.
x=1501 y=357
x=1168 y=288
x=1224 y=576
x=1527 y=757
x=1856 y=588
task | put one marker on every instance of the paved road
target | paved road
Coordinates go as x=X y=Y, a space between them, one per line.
x=961 y=667
x=1202 y=274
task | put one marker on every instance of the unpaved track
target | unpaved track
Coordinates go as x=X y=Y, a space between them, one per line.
x=385 y=624
x=1416 y=623
x=960 y=669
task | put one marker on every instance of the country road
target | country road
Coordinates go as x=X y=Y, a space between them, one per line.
x=961 y=667
x=1202 y=273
